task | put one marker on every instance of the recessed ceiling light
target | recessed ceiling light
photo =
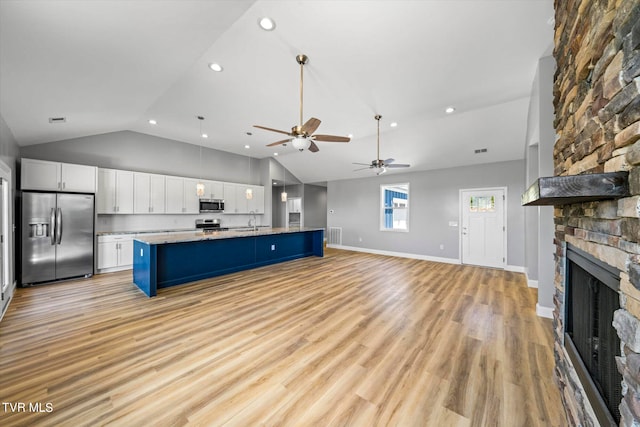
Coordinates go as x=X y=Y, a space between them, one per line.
x=215 y=67
x=267 y=23
x=204 y=135
x=247 y=146
x=449 y=110
x=152 y=122
x=393 y=124
x=275 y=183
x=275 y=154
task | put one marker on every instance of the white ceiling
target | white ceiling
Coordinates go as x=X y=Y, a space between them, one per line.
x=112 y=65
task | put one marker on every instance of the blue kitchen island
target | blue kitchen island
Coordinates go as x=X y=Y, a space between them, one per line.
x=161 y=261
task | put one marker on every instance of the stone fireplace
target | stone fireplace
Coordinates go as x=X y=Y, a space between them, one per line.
x=597 y=123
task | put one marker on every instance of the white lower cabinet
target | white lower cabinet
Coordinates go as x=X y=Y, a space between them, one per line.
x=115 y=252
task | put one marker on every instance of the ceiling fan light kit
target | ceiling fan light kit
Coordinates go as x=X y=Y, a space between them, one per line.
x=301 y=135
x=300 y=143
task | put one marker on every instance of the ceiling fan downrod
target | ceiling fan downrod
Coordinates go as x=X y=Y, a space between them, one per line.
x=301 y=59
x=378 y=117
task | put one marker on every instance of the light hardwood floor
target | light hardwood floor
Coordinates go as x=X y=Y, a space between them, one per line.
x=350 y=339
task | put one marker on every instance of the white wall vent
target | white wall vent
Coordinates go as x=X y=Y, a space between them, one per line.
x=334 y=236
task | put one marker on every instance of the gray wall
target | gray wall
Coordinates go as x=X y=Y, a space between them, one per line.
x=9 y=150
x=279 y=207
x=434 y=202
x=539 y=163
x=314 y=205
x=146 y=153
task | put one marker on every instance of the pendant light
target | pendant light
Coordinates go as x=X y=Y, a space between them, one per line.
x=200 y=184
x=248 y=193
x=283 y=195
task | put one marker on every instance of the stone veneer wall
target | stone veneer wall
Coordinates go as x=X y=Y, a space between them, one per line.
x=597 y=109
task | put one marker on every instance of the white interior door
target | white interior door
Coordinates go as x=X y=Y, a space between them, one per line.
x=483 y=227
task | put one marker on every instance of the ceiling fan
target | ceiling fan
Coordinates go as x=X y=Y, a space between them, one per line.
x=301 y=136
x=381 y=165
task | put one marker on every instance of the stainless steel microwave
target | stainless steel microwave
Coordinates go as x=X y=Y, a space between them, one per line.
x=211 y=205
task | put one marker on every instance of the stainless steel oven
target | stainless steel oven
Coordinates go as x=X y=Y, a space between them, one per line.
x=211 y=205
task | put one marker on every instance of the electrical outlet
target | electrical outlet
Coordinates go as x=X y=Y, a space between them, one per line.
x=441 y=247
x=359 y=239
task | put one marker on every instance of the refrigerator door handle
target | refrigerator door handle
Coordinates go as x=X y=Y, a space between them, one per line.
x=52 y=226
x=59 y=226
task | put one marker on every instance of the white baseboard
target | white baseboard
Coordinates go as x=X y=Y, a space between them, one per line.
x=397 y=254
x=514 y=268
x=544 y=311
x=532 y=283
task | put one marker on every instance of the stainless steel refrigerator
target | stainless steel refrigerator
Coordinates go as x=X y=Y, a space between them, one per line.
x=57 y=236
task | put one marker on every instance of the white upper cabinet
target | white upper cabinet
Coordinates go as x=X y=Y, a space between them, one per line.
x=55 y=176
x=213 y=189
x=149 y=193
x=174 y=202
x=295 y=204
x=115 y=192
x=235 y=199
x=181 y=195
x=230 y=198
x=256 y=204
x=191 y=199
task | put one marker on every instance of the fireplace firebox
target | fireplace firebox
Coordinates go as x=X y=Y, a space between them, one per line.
x=592 y=296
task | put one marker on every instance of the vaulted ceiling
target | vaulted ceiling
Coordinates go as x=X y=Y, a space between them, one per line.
x=110 y=65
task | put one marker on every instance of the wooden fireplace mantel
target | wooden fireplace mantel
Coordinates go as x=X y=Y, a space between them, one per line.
x=563 y=190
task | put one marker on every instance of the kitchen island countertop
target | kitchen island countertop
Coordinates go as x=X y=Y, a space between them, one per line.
x=197 y=236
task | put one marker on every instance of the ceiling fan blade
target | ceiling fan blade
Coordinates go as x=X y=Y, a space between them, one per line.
x=284 y=141
x=310 y=126
x=398 y=165
x=331 y=138
x=389 y=161
x=273 y=130
x=362 y=164
x=313 y=147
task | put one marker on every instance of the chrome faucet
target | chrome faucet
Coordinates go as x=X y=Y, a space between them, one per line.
x=255 y=225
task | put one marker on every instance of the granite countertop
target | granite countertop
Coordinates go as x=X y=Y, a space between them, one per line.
x=177 y=230
x=196 y=236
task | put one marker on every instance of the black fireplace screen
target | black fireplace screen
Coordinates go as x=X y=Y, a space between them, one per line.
x=592 y=298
